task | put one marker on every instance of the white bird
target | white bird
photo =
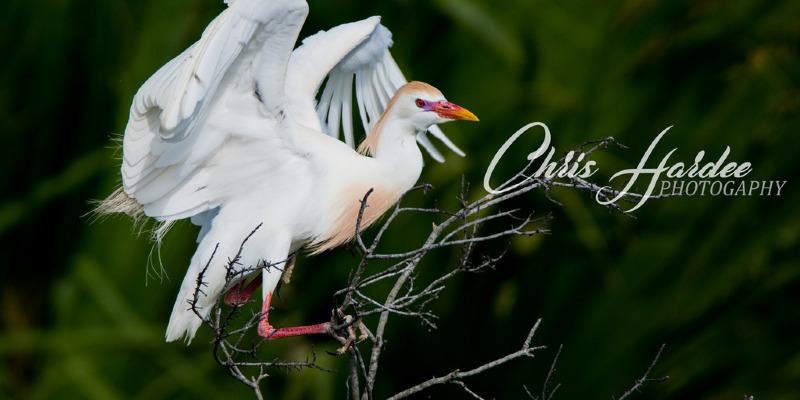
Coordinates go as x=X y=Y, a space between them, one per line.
x=229 y=135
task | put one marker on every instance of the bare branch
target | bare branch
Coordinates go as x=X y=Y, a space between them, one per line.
x=644 y=379
x=457 y=375
x=548 y=394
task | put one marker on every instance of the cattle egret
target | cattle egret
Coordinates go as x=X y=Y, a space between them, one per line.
x=230 y=135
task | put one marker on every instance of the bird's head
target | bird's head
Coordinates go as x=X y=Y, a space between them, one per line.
x=419 y=105
x=424 y=105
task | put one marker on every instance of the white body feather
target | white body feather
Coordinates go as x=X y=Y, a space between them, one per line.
x=229 y=135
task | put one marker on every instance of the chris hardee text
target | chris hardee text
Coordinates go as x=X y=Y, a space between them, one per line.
x=705 y=176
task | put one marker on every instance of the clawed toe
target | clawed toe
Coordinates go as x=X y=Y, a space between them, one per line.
x=349 y=328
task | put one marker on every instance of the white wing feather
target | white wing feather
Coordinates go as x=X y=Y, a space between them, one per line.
x=178 y=124
x=351 y=53
x=171 y=132
x=220 y=126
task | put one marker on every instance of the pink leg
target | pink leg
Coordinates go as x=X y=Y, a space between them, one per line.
x=266 y=330
x=237 y=295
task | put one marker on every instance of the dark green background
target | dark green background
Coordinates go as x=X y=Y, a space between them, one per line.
x=715 y=278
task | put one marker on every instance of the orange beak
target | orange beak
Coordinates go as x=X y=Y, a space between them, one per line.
x=449 y=110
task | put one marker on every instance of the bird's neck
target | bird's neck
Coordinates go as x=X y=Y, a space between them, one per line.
x=396 y=145
x=394 y=168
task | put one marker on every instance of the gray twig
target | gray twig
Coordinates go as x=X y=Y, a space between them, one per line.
x=644 y=379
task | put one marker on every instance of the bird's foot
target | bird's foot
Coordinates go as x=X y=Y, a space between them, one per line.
x=349 y=325
x=341 y=327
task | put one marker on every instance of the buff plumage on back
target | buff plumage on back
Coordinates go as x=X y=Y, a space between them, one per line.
x=343 y=229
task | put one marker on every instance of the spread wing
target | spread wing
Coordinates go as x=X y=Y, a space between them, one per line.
x=355 y=53
x=242 y=78
x=171 y=134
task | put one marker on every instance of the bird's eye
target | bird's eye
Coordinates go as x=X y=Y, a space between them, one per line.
x=420 y=103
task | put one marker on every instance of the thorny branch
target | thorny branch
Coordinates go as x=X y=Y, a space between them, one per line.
x=236 y=349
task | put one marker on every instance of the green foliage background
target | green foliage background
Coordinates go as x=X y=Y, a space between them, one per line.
x=715 y=278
